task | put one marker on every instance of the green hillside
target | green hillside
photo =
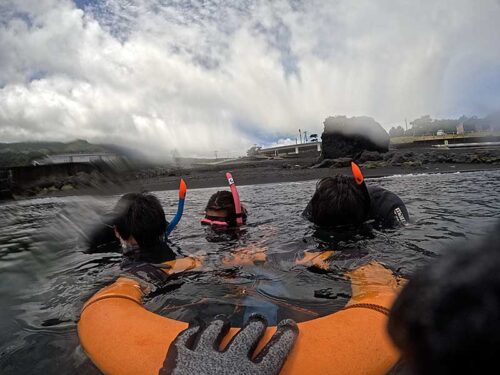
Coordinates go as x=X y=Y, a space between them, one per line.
x=23 y=153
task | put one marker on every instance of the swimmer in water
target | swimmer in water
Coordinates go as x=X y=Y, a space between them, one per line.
x=224 y=209
x=137 y=226
x=220 y=211
x=222 y=214
x=345 y=201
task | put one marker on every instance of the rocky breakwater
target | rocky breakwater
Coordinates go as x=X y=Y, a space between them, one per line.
x=363 y=140
x=420 y=158
x=416 y=159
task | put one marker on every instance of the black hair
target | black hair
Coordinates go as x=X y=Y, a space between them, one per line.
x=223 y=200
x=447 y=318
x=338 y=201
x=141 y=216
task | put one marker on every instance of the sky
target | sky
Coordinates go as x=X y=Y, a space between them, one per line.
x=193 y=77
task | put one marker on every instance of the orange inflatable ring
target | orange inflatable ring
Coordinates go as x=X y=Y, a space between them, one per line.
x=122 y=337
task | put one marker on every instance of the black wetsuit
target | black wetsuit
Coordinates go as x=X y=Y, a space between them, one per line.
x=145 y=263
x=141 y=263
x=387 y=210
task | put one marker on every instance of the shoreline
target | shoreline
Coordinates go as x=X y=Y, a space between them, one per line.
x=256 y=175
x=104 y=180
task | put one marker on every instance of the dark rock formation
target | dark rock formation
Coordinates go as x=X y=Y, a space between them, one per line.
x=417 y=159
x=349 y=137
x=369 y=156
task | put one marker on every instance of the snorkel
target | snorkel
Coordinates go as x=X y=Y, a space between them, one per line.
x=356 y=173
x=180 y=208
x=360 y=180
x=236 y=199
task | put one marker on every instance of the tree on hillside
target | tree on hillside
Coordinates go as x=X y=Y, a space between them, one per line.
x=396 y=132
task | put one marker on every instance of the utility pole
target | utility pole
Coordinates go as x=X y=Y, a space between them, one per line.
x=300 y=135
x=215 y=152
x=305 y=136
x=406 y=122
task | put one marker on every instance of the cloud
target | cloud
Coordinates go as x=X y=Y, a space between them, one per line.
x=198 y=76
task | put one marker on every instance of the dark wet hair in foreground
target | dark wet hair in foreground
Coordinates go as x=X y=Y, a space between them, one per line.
x=338 y=201
x=141 y=216
x=447 y=318
x=223 y=200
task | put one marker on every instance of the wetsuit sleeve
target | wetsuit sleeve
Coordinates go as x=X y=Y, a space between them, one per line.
x=399 y=217
x=387 y=209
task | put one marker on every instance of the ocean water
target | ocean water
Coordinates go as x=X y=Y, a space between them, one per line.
x=46 y=275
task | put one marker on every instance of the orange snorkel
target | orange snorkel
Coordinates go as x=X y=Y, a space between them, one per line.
x=360 y=181
x=356 y=172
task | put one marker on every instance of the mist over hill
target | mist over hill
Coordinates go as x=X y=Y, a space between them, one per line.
x=426 y=125
x=23 y=153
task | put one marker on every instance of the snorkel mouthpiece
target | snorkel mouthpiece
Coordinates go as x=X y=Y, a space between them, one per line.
x=236 y=199
x=180 y=208
x=356 y=172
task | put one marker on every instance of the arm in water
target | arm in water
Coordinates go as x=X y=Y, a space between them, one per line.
x=196 y=349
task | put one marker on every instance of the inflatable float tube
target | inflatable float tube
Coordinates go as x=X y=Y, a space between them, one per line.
x=121 y=337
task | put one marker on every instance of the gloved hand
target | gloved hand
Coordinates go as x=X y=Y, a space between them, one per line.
x=196 y=349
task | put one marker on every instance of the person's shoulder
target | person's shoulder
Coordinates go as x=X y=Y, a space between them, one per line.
x=387 y=208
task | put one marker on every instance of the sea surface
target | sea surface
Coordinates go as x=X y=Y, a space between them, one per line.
x=46 y=274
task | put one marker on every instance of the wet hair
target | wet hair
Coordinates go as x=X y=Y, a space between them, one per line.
x=223 y=200
x=141 y=216
x=447 y=318
x=338 y=201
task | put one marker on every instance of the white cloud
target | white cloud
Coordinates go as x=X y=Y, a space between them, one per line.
x=199 y=77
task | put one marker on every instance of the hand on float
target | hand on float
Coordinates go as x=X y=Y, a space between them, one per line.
x=374 y=281
x=196 y=349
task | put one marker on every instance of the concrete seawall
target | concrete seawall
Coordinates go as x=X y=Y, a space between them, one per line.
x=440 y=141
x=15 y=179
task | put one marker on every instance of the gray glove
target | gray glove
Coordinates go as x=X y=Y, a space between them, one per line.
x=196 y=349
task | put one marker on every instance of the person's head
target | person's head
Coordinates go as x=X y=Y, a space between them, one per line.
x=140 y=219
x=447 y=318
x=338 y=201
x=221 y=209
